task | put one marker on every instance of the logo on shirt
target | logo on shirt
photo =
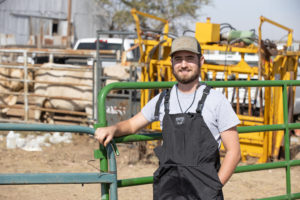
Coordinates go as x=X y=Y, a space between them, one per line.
x=179 y=120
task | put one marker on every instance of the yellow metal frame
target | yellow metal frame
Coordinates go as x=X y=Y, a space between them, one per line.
x=290 y=31
x=156 y=66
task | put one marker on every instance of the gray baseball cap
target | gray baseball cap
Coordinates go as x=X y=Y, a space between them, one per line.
x=185 y=43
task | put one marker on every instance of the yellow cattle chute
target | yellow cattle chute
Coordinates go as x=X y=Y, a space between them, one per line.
x=156 y=66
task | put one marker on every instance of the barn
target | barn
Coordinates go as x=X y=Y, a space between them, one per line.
x=45 y=23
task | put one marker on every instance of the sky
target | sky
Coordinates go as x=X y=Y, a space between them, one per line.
x=245 y=15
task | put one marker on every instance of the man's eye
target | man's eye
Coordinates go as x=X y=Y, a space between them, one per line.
x=190 y=58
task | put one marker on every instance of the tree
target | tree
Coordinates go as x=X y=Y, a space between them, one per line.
x=118 y=12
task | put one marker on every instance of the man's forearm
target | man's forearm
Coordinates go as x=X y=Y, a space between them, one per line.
x=131 y=125
x=228 y=166
x=123 y=128
x=232 y=157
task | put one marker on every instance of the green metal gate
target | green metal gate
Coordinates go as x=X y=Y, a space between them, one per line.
x=287 y=163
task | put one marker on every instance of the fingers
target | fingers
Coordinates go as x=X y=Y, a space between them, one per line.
x=99 y=136
x=103 y=136
x=107 y=140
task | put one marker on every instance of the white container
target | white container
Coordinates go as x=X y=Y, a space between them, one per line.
x=11 y=140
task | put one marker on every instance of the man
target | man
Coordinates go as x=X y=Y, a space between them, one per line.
x=194 y=119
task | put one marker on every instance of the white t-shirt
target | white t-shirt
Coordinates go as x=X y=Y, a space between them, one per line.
x=217 y=112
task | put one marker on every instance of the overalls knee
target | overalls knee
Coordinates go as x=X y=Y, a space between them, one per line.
x=188 y=158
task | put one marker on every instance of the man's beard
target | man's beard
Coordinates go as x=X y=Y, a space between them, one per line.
x=186 y=80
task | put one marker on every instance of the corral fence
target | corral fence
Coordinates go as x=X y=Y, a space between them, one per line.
x=18 y=77
x=21 y=70
x=108 y=175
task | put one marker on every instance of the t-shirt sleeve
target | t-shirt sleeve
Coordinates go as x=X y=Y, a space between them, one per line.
x=149 y=109
x=226 y=116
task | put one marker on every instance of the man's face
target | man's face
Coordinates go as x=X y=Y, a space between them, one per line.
x=185 y=66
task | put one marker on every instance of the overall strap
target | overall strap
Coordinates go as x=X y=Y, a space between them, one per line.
x=167 y=102
x=161 y=96
x=202 y=100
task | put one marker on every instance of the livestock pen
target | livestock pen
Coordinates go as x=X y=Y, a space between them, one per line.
x=34 y=91
x=101 y=154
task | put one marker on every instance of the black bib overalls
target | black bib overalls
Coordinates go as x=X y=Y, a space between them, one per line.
x=189 y=157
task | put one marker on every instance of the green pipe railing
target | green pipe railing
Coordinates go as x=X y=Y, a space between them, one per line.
x=156 y=136
x=109 y=178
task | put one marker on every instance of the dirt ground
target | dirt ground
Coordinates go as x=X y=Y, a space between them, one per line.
x=78 y=157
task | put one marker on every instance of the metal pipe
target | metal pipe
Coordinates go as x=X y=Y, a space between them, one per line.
x=46 y=109
x=59 y=97
x=26 y=114
x=103 y=161
x=104 y=168
x=283 y=197
x=286 y=139
x=241 y=130
x=130 y=92
x=79 y=68
x=138 y=137
x=136 y=181
x=69 y=24
x=113 y=169
x=57 y=51
x=47 y=96
x=46 y=128
x=95 y=91
x=62 y=83
x=100 y=32
x=55 y=178
x=265 y=166
x=47 y=82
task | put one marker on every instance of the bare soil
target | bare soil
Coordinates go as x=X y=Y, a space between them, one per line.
x=78 y=157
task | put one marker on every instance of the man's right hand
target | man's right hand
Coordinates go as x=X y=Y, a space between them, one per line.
x=105 y=134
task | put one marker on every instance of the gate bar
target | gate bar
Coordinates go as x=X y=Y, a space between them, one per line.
x=55 y=178
x=46 y=127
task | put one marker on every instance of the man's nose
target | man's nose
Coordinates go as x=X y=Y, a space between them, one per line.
x=184 y=63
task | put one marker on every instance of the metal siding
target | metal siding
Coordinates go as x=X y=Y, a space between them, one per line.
x=86 y=17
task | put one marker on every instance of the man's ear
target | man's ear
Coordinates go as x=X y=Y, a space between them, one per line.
x=201 y=60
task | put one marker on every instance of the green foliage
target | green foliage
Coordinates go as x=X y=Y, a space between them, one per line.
x=118 y=12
